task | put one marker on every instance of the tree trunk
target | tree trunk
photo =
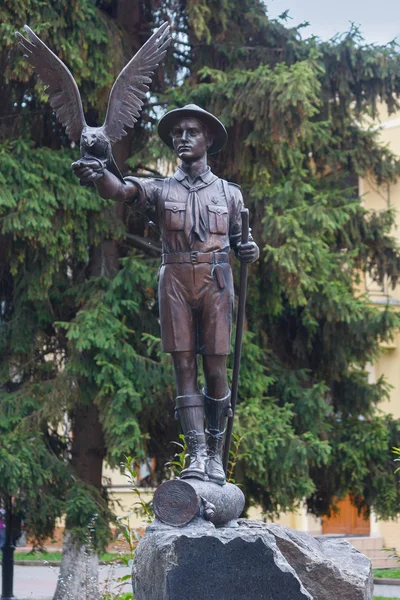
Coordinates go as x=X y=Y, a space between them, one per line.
x=88 y=449
x=79 y=573
x=79 y=564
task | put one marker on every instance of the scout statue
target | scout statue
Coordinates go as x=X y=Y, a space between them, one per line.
x=200 y=220
x=199 y=216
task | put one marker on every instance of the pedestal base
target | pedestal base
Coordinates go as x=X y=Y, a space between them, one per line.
x=256 y=561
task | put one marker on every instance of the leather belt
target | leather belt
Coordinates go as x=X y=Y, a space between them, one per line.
x=213 y=258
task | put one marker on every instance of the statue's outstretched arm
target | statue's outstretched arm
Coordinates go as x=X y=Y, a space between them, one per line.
x=107 y=184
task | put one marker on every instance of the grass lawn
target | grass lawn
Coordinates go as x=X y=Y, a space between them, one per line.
x=382 y=598
x=50 y=556
x=387 y=573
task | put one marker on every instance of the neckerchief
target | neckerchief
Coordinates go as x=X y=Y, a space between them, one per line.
x=195 y=222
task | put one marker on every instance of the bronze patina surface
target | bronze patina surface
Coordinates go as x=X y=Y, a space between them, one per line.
x=200 y=218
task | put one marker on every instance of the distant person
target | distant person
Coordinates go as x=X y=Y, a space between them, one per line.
x=16 y=529
x=2 y=527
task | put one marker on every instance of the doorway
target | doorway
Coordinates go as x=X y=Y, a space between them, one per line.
x=346 y=521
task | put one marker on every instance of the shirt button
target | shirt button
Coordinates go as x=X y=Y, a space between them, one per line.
x=219 y=211
x=175 y=208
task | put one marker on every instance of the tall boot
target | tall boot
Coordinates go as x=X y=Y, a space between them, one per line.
x=217 y=411
x=190 y=411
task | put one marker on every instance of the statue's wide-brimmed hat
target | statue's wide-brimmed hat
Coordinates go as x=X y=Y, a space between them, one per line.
x=213 y=124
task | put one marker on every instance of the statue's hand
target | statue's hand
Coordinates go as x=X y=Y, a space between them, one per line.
x=247 y=253
x=88 y=169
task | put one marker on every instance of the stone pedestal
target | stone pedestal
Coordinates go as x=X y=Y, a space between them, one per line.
x=255 y=561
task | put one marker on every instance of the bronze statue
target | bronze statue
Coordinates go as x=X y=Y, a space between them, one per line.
x=124 y=104
x=200 y=220
x=199 y=216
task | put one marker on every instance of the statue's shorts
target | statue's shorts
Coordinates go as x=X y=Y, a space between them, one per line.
x=196 y=307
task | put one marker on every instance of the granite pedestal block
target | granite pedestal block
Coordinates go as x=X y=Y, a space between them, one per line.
x=255 y=561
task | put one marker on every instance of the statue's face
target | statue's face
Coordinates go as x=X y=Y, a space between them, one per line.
x=190 y=139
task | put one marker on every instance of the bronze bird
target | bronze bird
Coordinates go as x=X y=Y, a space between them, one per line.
x=124 y=104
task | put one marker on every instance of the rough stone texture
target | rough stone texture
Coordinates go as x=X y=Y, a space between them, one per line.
x=255 y=561
x=330 y=569
x=79 y=573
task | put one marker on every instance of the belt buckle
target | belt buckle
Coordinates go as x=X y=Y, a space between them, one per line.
x=193 y=257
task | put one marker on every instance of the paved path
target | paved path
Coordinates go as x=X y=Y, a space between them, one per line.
x=387 y=591
x=39 y=583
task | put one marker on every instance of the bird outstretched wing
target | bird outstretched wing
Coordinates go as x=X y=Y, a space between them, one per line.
x=61 y=87
x=128 y=92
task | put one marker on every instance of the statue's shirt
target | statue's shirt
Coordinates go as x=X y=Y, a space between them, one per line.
x=201 y=215
x=195 y=300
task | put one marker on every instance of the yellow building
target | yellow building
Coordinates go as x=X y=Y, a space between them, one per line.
x=381 y=198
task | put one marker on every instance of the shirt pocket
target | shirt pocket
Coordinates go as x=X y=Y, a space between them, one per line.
x=218 y=219
x=174 y=215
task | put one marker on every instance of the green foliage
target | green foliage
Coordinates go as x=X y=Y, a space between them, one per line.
x=309 y=414
x=146 y=507
x=235 y=456
x=131 y=538
x=80 y=34
x=54 y=556
x=108 y=345
x=45 y=218
x=123 y=596
x=179 y=461
x=71 y=334
x=397 y=452
x=78 y=308
x=87 y=516
x=29 y=466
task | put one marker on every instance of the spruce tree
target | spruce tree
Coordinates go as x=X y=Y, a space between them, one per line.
x=78 y=291
x=73 y=367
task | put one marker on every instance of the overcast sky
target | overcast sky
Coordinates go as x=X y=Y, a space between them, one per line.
x=379 y=19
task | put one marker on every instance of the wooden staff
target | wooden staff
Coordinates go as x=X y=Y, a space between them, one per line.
x=238 y=338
